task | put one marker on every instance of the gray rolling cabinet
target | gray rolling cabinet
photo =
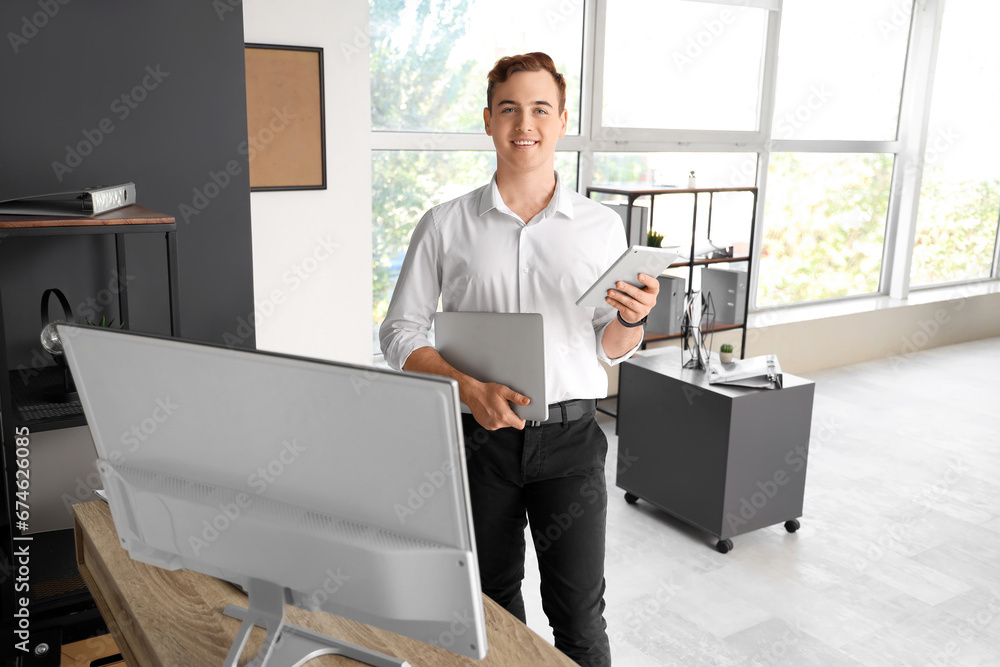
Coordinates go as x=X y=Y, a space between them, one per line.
x=724 y=459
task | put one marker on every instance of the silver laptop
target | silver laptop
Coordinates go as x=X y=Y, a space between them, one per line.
x=506 y=348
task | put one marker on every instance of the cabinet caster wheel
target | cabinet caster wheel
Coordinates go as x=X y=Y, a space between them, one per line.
x=631 y=499
x=724 y=546
x=792 y=525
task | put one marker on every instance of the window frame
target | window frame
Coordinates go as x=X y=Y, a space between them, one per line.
x=926 y=33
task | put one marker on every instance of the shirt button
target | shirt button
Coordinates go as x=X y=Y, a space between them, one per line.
x=524 y=270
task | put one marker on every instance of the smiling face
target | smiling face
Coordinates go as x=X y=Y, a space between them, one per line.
x=525 y=122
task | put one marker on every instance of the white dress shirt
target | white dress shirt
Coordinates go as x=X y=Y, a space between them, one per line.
x=477 y=255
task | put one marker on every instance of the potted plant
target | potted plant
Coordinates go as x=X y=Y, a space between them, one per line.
x=104 y=323
x=653 y=239
x=726 y=353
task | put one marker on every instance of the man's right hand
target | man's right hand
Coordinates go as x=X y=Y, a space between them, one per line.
x=490 y=403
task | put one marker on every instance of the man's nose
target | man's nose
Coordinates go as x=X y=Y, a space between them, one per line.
x=525 y=121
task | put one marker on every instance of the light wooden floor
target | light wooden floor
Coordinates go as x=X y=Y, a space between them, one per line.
x=898 y=558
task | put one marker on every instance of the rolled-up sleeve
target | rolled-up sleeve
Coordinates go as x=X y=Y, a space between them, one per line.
x=415 y=298
x=603 y=316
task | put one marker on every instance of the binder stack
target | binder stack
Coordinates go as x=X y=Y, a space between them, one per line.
x=86 y=202
x=762 y=372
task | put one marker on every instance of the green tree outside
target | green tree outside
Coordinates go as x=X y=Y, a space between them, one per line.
x=824 y=226
x=418 y=84
x=825 y=219
x=956 y=228
x=412 y=81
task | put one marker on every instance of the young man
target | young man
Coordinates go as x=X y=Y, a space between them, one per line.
x=525 y=243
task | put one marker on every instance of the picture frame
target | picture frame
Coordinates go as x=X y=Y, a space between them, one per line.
x=286 y=133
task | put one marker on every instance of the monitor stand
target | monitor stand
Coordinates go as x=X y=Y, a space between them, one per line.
x=287 y=645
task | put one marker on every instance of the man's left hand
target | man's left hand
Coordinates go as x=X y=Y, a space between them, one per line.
x=632 y=302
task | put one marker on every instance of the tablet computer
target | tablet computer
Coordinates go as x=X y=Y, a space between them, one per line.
x=637 y=259
x=506 y=348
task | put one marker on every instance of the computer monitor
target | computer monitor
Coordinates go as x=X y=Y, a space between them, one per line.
x=331 y=486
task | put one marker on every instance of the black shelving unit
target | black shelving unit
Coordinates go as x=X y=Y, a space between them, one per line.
x=633 y=193
x=60 y=607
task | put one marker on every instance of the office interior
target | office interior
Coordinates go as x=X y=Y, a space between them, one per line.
x=896 y=558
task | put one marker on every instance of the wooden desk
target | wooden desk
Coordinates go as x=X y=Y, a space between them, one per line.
x=174 y=618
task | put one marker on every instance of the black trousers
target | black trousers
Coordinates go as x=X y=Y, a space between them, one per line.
x=550 y=476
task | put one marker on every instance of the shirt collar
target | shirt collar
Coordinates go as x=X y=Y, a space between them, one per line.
x=560 y=202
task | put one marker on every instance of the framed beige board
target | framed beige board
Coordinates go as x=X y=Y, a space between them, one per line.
x=286 y=143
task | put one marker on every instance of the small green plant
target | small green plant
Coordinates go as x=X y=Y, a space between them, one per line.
x=105 y=322
x=654 y=239
x=726 y=353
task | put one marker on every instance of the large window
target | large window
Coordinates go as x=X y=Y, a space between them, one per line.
x=429 y=61
x=823 y=105
x=840 y=69
x=430 y=58
x=836 y=110
x=674 y=64
x=960 y=190
x=824 y=226
x=404 y=185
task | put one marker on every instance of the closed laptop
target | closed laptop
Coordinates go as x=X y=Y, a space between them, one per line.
x=506 y=348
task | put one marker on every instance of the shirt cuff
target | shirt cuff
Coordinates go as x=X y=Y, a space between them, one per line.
x=603 y=356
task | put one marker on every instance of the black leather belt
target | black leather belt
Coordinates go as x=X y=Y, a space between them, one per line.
x=568 y=411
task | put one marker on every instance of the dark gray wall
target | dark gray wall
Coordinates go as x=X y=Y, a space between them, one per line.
x=105 y=91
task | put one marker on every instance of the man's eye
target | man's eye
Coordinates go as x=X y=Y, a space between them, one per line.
x=542 y=111
x=506 y=110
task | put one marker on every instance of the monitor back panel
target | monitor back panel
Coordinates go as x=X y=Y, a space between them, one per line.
x=299 y=431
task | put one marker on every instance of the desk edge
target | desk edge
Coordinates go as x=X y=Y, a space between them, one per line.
x=84 y=546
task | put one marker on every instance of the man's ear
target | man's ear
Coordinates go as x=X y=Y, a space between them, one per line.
x=486 y=121
x=564 y=122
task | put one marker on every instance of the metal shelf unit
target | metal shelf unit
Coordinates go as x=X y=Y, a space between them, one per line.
x=633 y=192
x=60 y=605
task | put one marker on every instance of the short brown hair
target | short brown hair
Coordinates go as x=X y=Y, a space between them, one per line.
x=527 y=62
